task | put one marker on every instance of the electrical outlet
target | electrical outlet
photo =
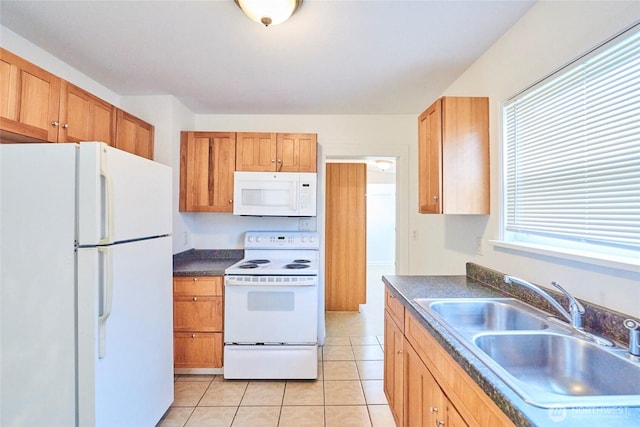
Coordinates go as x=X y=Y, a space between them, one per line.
x=186 y=238
x=414 y=235
x=479 y=245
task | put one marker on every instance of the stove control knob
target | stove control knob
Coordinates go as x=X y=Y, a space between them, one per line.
x=303 y=239
x=251 y=238
x=311 y=239
x=258 y=239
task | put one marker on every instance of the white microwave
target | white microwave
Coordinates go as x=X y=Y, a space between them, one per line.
x=274 y=193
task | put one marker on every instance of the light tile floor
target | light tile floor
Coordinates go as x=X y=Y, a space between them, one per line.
x=348 y=392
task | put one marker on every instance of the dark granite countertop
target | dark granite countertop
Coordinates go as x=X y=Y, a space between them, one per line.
x=205 y=262
x=406 y=288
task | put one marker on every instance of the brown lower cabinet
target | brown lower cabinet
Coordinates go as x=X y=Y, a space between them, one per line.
x=423 y=384
x=197 y=322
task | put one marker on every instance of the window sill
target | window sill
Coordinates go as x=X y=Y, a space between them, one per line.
x=620 y=263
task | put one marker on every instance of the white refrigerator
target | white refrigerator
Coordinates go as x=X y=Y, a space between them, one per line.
x=86 y=290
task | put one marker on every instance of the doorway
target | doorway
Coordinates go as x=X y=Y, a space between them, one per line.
x=380 y=232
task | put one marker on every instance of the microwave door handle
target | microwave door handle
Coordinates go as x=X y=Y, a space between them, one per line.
x=294 y=201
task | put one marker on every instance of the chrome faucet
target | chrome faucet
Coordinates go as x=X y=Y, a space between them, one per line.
x=576 y=310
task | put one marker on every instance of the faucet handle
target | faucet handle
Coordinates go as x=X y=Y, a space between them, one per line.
x=574 y=304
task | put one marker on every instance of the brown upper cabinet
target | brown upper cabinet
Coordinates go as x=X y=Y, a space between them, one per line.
x=29 y=100
x=207 y=163
x=453 y=156
x=37 y=106
x=134 y=135
x=271 y=152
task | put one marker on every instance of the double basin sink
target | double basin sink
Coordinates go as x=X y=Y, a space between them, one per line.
x=547 y=364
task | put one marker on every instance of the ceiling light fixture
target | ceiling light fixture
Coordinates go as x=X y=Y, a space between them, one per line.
x=269 y=12
x=384 y=164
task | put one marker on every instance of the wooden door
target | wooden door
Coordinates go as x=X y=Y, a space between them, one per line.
x=29 y=99
x=430 y=159
x=207 y=162
x=256 y=152
x=346 y=240
x=296 y=152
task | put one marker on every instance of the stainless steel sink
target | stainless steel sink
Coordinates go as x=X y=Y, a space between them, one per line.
x=547 y=364
x=492 y=314
x=548 y=369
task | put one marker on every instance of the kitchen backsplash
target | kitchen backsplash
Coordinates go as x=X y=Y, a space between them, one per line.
x=597 y=319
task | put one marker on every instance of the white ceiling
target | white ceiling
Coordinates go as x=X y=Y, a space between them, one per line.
x=331 y=57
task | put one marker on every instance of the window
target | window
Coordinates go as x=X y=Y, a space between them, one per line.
x=572 y=171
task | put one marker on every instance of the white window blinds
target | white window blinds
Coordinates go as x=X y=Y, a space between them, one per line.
x=573 y=153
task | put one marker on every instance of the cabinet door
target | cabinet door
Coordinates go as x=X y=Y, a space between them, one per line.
x=465 y=155
x=256 y=152
x=207 y=163
x=454 y=419
x=430 y=159
x=197 y=350
x=394 y=368
x=134 y=135
x=296 y=152
x=29 y=99
x=84 y=117
x=425 y=403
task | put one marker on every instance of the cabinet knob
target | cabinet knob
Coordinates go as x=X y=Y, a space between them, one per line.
x=193 y=335
x=55 y=123
x=195 y=298
x=439 y=423
x=433 y=409
x=195 y=279
x=435 y=197
x=399 y=352
x=279 y=160
x=273 y=160
x=230 y=201
x=65 y=126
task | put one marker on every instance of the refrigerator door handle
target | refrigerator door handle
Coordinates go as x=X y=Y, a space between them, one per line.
x=107 y=201
x=106 y=300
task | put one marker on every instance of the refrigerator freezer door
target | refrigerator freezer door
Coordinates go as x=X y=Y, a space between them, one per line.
x=125 y=333
x=121 y=196
x=37 y=276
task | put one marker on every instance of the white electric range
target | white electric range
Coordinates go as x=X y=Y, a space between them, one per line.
x=271 y=308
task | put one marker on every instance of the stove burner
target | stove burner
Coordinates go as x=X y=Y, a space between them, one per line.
x=296 y=266
x=248 y=266
x=259 y=261
x=301 y=261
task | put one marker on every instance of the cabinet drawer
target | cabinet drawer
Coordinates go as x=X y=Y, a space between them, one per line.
x=197 y=350
x=196 y=313
x=395 y=308
x=186 y=286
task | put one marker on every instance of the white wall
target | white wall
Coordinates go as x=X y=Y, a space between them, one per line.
x=381 y=223
x=547 y=37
